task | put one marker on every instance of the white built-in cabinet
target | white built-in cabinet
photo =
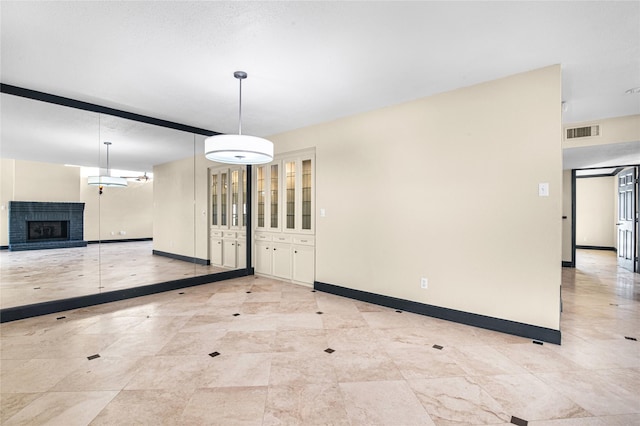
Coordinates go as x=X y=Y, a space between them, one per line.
x=284 y=194
x=228 y=216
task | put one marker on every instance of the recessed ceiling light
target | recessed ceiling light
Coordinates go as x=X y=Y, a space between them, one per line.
x=632 y=90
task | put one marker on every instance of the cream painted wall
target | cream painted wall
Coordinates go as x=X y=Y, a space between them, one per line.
x=36 y=181
x=612 y=130
x=446 y=188
x=174 y=208
x=118 y=209
x=596 y=200
x=119 y=213
x=567 y=211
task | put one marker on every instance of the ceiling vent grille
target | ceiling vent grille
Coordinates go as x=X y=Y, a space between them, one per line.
x=583 y=132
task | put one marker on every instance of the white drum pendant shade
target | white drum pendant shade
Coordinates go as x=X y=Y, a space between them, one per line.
x=238 y=149
x=106 y=181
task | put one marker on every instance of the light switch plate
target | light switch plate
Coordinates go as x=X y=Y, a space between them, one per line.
x=543 y=189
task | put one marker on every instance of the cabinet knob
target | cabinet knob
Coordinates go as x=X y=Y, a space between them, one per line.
x=295 y=251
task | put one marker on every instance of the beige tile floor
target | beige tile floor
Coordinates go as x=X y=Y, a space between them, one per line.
x=154 y=365
x=36 y=276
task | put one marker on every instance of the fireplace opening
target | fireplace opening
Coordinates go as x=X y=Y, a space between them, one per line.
x=47 y=230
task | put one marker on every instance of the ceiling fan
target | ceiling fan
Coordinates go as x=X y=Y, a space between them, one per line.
x=140 y=178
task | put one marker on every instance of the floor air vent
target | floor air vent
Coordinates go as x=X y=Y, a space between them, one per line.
x=583 y=132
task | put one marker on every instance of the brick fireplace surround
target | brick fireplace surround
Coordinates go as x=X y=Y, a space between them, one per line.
x=23 y=212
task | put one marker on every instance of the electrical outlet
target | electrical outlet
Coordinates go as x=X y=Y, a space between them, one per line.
x=424 y=283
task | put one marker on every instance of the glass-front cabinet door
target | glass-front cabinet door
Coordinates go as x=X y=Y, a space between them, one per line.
x=307 y=191
x=224 y=198
x=290 y=182
x=274 y=198
x=267 y=197
x=261 y=187
x=299 y=190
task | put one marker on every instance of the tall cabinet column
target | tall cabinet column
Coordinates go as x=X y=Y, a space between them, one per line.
x=284 y=218
x=227 y=216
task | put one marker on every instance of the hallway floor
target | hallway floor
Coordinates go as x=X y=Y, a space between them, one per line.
x=256 y=351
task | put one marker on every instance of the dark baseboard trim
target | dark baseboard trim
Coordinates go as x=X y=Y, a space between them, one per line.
x=124 y=240
x=4 y=247
x=45 y=308
x=597 y=248
x=467 y=318
x=566 y=264
x=195 y=260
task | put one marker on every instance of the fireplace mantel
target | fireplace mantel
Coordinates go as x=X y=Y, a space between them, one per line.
x=23 y=212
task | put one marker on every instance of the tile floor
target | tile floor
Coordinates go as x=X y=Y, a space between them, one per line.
x=35 y=276
x=190 y=359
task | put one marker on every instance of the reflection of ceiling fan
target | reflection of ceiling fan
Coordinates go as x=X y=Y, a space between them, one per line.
x=140 y=178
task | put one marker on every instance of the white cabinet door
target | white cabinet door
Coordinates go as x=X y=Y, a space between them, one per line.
x=282 y=260
x=216 y=252
x=242 y=254
x=229 y=253
x=263 y=257
x=303 y=264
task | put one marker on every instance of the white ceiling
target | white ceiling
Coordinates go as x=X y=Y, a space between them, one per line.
x=311 y=62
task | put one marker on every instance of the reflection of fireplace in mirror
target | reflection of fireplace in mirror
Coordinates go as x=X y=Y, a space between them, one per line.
x=49 y=230
x=45 y=225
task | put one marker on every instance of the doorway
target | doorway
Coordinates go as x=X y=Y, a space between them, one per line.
x=605 y=209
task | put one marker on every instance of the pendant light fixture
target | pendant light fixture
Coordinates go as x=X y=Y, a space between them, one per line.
x=107 y=180
x=238 y=149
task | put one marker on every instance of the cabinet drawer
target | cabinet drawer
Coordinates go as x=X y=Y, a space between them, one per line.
x=229 y=235
x=242 y=235
x=282 y=238
x=216 y=233
x=263 y=237
x=305 y=241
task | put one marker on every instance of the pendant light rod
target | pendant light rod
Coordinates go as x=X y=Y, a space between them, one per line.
x=240 y=75
x=108 y=168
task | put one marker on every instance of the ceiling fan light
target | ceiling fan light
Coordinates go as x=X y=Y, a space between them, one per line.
x=238 y=149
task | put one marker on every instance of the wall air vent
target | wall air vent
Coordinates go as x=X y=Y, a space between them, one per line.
x=583 y=132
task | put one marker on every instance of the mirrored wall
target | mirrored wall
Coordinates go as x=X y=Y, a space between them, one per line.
x=154 y=229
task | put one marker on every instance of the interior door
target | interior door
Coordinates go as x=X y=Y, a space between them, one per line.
x=627 y=218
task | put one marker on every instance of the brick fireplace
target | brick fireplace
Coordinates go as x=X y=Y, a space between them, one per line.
x=45 y=225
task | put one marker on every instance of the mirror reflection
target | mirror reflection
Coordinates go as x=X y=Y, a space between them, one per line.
x=154 y=229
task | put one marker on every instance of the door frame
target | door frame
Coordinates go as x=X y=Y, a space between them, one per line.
x=574 y=178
